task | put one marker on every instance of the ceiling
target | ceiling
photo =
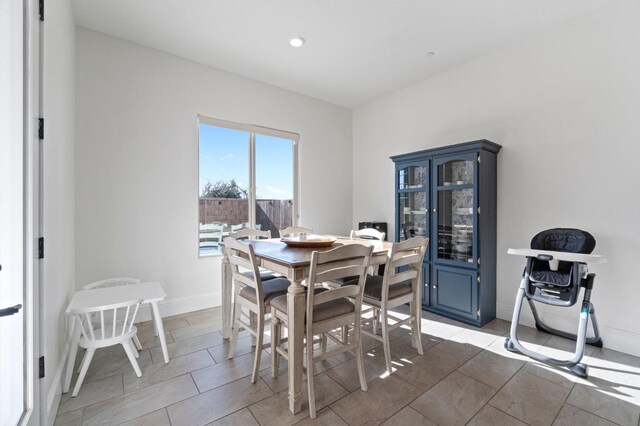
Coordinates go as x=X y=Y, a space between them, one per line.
x=356 y=50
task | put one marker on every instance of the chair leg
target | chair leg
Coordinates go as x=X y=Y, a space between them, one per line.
x=323 y=342
x=154 y=321
x=136 y=342
x=376 y=320
x=357 y=335
x=345 y=334
x=385 y=340
x=259 y=340
x=82 y=362
x=134 y=349
x=415 y=327
x=253 y=321
x=235 y=317
x=310 y=379
x=129 y=350
x=83 y=370
x=275 y=343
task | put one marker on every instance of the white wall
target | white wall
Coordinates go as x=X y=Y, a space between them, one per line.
x=565 y=107
x=137 y=162
x=58 y=173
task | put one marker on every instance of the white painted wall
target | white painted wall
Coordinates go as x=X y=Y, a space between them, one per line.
x=565 y=107
x=58 y=174
x=137 y=162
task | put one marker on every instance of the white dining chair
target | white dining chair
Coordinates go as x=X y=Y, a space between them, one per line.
x=97 y=333
x=400 y=284
x=250 y=234
x=295 y=230
x=251 y=293
x=326 y=310
x=255 y=234
x=211 y=234
x=367 y=233
x=113 y=282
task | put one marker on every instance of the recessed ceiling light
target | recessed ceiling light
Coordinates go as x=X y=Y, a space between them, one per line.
x=297 y=41
x=431 y=54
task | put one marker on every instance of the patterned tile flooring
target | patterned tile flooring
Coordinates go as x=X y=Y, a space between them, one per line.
x=464 y=377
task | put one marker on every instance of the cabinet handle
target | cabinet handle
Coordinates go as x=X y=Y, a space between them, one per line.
x=435 y=210
x=435 y=286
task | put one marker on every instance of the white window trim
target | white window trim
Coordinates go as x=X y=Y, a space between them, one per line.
x=252 y=129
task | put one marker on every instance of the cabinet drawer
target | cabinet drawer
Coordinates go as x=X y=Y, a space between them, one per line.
x=455 y=291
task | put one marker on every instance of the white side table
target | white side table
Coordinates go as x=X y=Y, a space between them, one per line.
x=149 y=292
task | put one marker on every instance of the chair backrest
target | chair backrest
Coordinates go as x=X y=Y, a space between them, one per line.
x=404 y=263
x=212 y=227
x=111 y=282
x=242 y=258
x=107 y=322
x=368 y=233
x=295 y=230
x=251 y=234
x=344 y=261
x=556 y=273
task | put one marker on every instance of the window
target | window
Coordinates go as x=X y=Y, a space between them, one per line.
x=248 y=178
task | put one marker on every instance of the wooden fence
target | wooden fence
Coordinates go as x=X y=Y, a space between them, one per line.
x=270 y=214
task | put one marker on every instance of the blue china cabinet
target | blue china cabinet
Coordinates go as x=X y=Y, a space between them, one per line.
x=448 y=194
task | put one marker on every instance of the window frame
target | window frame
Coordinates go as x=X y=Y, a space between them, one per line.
x=252 y=129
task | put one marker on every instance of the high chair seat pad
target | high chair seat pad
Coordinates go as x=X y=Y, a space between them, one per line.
x=564 y=239
x=551 y=277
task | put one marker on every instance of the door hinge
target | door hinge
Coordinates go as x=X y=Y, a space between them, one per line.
x=478 y=260
x=478 y=312
x=41 y=248
x=478 y=279
x=41 y=128
x=41 y=9
x=478 y=210
x=479 y=159
x=41 y=367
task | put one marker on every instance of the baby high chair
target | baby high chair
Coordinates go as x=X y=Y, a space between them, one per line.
x=555 y=271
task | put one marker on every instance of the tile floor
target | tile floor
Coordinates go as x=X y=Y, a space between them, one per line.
x=464 y=377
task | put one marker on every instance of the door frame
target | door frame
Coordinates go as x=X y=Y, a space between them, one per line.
x=32 y=111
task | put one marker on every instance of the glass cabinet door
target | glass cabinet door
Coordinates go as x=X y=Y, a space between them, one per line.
x=413 y=200
x=412 y=177
x=455 y=209
x=412 y=211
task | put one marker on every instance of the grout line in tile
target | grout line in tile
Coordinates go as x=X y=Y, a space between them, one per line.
x=587 y=411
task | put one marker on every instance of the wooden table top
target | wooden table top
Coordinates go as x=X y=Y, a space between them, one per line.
x=276 y=251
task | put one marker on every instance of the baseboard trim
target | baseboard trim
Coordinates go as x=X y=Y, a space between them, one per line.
x=613 y=338
x=182 y=305
x=55 y=391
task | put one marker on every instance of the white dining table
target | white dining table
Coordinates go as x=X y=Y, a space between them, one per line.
x=149 y=292
x=292 y=263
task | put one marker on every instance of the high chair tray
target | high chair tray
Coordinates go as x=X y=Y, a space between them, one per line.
x=559 y=255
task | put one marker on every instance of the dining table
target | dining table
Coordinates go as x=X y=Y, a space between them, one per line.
x=293 y=263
